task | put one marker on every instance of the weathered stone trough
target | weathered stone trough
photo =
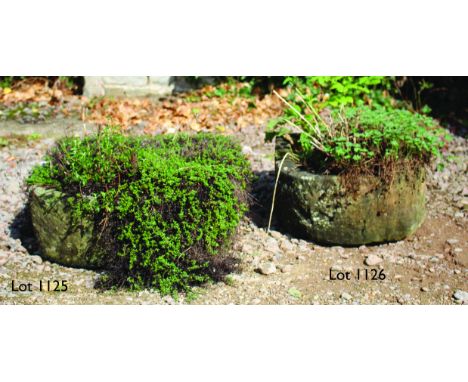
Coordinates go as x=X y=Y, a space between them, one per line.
x=319 y=208
x=60 y=240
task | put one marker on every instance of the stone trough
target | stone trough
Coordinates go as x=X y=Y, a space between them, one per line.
x=60 y=240
x=317 y=207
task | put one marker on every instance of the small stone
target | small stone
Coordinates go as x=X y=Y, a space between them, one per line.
x=276 y=235
x=287 y=246
x=363 y=249
x=457 y=250
x=338 y=249
x=461 y=295
x=458 y=215
x=452 y=241
x=424 y=289
x=267 y=268
x=372 y=260
x=271 y=245
x=3 y=258
x=286 y=268
x=247 y=150
x=12 y=188
x=247 y=248
x=346 y=296
x=276 y=257
x=398 y=277
x=36 y=259
x=463 y=205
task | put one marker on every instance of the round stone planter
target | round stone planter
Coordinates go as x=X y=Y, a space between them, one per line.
x=317 y=207
x=60 y=240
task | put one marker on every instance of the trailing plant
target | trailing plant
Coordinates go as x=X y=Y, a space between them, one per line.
x=362 y=138
x=164 y=208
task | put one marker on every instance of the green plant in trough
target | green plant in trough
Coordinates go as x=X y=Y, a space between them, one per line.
x=165 y=208
x=366 y=139
x=335 y=91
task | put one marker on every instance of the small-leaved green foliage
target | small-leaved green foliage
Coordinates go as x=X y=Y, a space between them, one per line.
x=165 y=207
x=335 y=91
x=352 y=122
x=364 y=136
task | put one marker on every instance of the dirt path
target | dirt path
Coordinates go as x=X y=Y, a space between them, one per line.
x=427 y=268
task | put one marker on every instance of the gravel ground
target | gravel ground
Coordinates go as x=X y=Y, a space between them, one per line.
x=431 y=267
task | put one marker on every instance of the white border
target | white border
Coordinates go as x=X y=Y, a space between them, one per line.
x=228 y=343
x=242 y=37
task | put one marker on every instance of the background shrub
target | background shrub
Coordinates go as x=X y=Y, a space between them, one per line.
x=165 y=208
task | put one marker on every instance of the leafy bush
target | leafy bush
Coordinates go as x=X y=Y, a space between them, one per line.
x=335 y=91
x=363 y=137
x=165 y=208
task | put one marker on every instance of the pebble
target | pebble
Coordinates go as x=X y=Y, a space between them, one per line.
x=247 y=248
x=461 y=295
x=3 y=258
x=372 y=260
x=287 y=246
x=338 y=249
x=346 y=296
x=12 y=187
x=276 y=235
x=424 y=289
x=452 y=241
x=363 y=249
x=267 y=268
x=36 y=259
x=247 y=150
x=271 y=245
x=276 y=257
x=285 y=268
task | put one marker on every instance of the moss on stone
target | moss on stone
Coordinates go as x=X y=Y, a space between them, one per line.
x=319 y=207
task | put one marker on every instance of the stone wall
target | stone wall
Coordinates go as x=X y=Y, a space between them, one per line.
x=138 y=86
x=127 y=86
